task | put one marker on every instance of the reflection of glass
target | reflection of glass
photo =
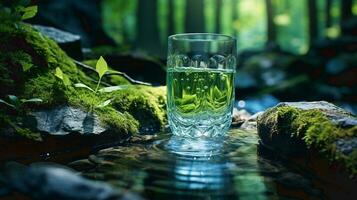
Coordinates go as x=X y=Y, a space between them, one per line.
x=200 y=171
x=200 y=78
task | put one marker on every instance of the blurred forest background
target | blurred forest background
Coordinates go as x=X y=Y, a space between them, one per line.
x=288 y=50
x=146 y=24
x=292 y=25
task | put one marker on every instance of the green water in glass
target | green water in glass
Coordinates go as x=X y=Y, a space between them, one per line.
x=200 y=101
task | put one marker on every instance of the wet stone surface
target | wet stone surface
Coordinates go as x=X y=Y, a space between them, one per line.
x=171 y=167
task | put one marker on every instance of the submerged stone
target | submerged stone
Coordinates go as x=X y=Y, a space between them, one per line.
x=301 y=128
x=48 y=182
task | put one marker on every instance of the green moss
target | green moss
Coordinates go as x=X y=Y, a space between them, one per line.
x=131 y=109
x=10 y=122
x=146 y=104
x=316 y=130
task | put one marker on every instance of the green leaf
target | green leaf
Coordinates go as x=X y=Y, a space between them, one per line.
x=34 y=100
x=101 y=67
x=113 y=88
x=59 y=73
x=81 y=85
x=105 y=103
x=66 y=80
x=26 y=66
x=14 y=101
x=6 y=103
x=29 y=12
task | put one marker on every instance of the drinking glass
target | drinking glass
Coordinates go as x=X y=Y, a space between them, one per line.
x=200 y=84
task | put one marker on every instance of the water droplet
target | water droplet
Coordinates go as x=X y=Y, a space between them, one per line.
x=188 y=88
x=187 y=79
x=205 y=87
x=194 y=80
x=182 y=79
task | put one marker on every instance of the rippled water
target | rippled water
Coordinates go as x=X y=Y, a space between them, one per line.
x=223 y=168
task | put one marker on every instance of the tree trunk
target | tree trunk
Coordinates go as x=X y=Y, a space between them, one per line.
x=270 y=21
x=147 y=26
x=171 y=19
x=346 y=9
x=312 y=10
x=328 y=13
x=218 y=10
x=194 y=20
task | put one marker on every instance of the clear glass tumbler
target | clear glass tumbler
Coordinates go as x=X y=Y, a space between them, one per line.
x=200 y=83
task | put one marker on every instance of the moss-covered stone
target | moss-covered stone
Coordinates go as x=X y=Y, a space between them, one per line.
x=28 y=60
x=290 y=128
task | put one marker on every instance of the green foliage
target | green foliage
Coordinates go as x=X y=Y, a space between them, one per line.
x=17 y=104
x=12 y=12
x=59 y=74
x=43 y=80
x=101 y=69
x=81 y=85
x=113 y=80
x=29 y=12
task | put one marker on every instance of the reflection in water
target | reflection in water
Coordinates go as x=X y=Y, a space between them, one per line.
x=198 y=168
x=175 y=168
x=203 y=169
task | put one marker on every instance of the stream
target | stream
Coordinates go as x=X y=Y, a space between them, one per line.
x=230 y=167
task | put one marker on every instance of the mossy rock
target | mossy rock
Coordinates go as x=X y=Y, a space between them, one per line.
x=28 y=61
x=299 y=128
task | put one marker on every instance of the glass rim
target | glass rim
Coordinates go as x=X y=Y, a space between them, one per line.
x=190 y=37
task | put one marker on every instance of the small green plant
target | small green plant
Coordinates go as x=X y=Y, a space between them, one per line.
x=101 y=68
x=63 y=77
x=17 y=104
x=14 y=11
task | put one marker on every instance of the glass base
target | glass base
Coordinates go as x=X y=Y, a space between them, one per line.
x=211 y=127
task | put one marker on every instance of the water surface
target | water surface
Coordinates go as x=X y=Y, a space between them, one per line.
x=224 y=168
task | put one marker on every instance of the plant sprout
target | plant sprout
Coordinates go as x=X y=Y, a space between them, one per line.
x=15 y=103
x=101 y=68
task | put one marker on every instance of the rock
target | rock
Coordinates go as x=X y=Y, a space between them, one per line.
x=47 y=182
x=132 y=109
x=81 y=165
x=68 y=42
x=64 y=120
x=80 y=17
x=251 y=122
x=300 y=128
x=337 y=115
x=239 y=117
x=143 y=139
